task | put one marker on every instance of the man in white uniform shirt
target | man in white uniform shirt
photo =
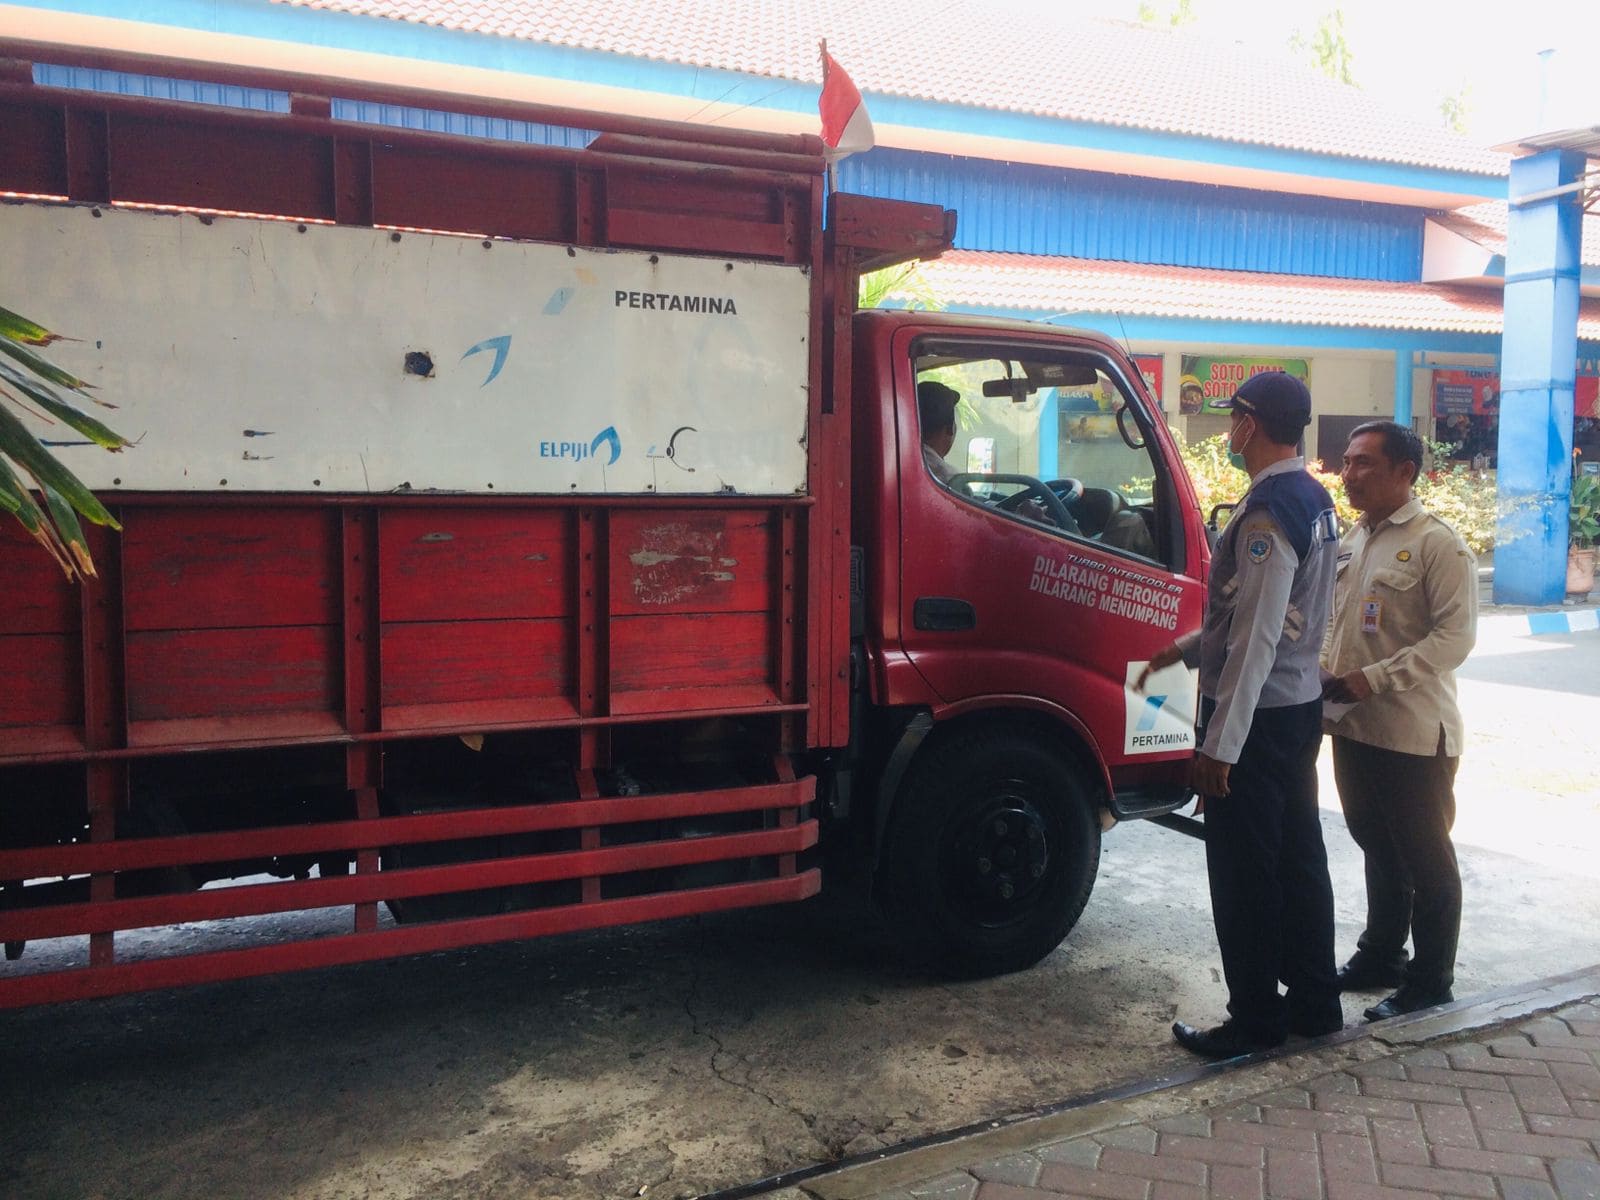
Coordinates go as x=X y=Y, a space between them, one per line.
x=1405 y=615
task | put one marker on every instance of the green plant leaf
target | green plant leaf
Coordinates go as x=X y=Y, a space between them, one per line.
x=19 y=444
x=42 y=367
x=19 y=328
x=905 y=282
x=68 y=531
x=82 y=422
x=15 y=499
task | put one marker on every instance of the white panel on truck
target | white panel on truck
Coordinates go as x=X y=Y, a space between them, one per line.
x=261 y=355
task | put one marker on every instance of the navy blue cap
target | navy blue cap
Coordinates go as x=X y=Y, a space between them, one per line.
x=1275 y=395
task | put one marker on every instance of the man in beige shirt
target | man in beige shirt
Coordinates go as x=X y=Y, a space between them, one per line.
x=1405 y=611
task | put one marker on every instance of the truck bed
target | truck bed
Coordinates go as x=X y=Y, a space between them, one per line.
x=553 y=704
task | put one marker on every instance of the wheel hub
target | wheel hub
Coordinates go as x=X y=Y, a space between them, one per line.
x=1004 y=856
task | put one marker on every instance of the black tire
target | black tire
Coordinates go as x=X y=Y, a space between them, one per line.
x=990 y=854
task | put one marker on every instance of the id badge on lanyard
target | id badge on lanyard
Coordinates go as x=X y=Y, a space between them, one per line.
x=1371 y=613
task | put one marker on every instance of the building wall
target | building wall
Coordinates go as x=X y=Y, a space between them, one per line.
x=1353 y=386
x=1019 y=208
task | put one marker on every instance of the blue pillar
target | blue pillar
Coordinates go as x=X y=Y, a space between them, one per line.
x=1538 y=363
x=1402 y=386
x=1049 y=435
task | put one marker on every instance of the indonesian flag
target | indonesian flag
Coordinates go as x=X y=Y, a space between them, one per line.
x=846 y=128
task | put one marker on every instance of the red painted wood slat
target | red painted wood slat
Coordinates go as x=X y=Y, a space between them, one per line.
x=691 y=560
x=233 y=672
x=271 y=168
x=39 y=598
x=205 y=568
x=504 y=195
x=35 y=164
x=680 y=231
x=447 y=662
x=43 y=680
x=498 y=563
x=664 y=703
x=691 y=650
x=246 y=731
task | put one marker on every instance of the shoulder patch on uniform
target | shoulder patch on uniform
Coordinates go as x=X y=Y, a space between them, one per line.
x=1257 y=546
x=1404 y=556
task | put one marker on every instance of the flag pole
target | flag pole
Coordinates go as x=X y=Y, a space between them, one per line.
x=832 y=182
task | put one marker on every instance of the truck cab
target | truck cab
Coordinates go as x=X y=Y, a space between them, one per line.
x=1009 y=602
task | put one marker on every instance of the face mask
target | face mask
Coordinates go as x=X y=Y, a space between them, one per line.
x=1236 y=457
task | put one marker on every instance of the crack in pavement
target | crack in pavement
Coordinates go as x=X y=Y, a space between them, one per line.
x=809 y=1120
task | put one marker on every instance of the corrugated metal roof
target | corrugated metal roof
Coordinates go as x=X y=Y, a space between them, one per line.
x=1486 y=225
x=1027 y=209
x=982 y=54
x=1585 y=140
x=1036 y=283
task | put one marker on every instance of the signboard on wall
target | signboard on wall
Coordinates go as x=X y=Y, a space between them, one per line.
x=1476 y=390
x=1466 y=390
x=1207 y=380
x=1150 y=367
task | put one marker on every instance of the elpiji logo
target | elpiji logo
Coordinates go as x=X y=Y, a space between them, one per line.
x=1152 y=709
x=578 y=451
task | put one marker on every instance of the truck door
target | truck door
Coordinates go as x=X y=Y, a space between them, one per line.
x=1051 y=550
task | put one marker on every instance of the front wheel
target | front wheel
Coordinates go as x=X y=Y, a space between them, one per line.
x=991 y=853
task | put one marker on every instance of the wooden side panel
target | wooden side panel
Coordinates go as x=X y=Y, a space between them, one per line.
x=42 y=677
x=225 y=568
x=456 y=564
x=716 y=210
x=38 y=597
x=175 y=674
x=271 y=169
x=231 y=612
x=448 y=662
x=702 y=660
x=691 y=560
x=477 y=610
x=506 y=195
x=34 y=161
x=40 y=656
x=694 y=604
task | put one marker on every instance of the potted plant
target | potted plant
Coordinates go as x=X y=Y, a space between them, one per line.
x=1583 y=527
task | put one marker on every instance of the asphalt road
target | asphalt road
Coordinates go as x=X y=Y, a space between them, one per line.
x=673 y=1059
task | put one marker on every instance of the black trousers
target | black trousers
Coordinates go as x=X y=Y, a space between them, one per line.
x=1271 y=896
x=1399 y=808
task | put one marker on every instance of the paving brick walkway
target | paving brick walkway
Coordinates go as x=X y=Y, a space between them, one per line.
x=1514 y=1115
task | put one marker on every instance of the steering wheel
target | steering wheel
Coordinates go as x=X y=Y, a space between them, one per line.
x=1069 y=490
x=1032 y=489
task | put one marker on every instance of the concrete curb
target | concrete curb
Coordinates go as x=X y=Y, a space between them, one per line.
x=1195 y=1088
x=1542 y=621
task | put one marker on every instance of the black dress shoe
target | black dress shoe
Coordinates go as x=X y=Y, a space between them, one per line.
x=1409 y=999
x=1368 y=973
x=1227 y=1040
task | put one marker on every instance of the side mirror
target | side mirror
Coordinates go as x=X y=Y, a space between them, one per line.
x=1214 y=526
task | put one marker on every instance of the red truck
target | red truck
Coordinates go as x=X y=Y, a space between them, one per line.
x=522 y=539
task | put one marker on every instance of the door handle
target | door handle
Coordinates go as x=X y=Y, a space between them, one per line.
x=937 y=614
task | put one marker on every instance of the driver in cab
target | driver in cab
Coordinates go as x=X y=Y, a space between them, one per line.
x=936 y=416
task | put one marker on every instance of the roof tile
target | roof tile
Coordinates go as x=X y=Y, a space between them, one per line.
x=987 y=54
